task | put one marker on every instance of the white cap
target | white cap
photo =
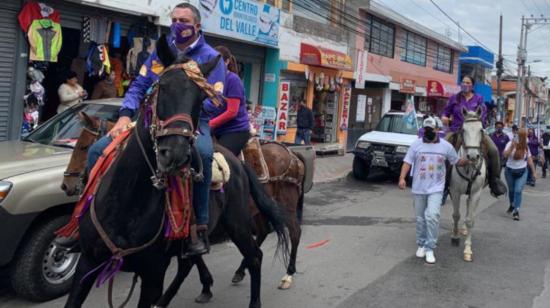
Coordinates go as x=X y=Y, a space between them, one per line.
x=429 y=122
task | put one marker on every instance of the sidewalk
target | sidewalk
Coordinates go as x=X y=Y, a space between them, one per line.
x=332 y=168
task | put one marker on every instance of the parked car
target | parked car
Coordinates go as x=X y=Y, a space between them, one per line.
x=33 y=206
x=384 y=147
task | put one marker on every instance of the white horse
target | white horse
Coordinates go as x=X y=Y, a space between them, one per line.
x=469 y=179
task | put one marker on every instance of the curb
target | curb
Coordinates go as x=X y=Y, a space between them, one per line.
x=338 y=177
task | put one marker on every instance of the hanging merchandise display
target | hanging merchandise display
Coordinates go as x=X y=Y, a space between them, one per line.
x=116 y=35
x=35 y=10
x=45 y=40
x=95 y=29
x=138 y=54
x=97 y=61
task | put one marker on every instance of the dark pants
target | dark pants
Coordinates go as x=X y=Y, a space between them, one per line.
x=234 y=141
x=546 y=164
x=201 y=190
x=530 y=177
x=303 y=134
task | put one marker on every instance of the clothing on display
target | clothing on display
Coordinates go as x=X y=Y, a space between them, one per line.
x=35 y=10
x=141 y=50
x=118 y=67
x=35 y=74
x=45 y=40
x=95 y=29
x=97 y=61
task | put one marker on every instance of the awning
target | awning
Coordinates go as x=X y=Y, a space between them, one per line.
x=319 y=56
x=438 y=89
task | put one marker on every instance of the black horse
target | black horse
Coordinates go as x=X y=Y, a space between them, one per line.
x=131 y=210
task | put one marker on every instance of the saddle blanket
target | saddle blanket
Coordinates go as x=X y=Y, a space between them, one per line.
x=178 y=195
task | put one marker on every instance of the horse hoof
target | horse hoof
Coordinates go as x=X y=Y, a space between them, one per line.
x=455 y=242
x=238 y=277
x=468 y=257
x=286 y=282
x=203 y=298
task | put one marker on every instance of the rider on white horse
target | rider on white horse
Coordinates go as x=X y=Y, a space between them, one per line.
x=453 y=117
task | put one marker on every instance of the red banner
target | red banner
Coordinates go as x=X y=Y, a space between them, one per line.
x=345 y=108
x=438 y=89
x=320 y=56
x=282 y=113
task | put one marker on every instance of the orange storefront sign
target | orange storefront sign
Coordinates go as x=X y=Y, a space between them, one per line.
x=408 y=86
x=319 y=56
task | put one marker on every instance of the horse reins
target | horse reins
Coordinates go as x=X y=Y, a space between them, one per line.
x=100 y=132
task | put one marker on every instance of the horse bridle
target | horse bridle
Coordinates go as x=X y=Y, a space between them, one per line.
x=478 y=165
x=102 y=130
x=161 y=128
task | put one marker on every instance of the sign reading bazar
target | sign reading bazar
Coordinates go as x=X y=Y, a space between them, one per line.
x=344 y=116
x=319 y=56
x=246 y=20
x=282 y=114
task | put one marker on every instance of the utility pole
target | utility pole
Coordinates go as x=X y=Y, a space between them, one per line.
x=519 y=84
x=500 y=70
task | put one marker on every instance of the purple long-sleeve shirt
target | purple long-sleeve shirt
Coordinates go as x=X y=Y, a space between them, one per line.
x=500 y=140
x=534 y=144
x=454 y=109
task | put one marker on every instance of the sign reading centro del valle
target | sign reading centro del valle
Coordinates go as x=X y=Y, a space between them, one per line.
x=241 y=19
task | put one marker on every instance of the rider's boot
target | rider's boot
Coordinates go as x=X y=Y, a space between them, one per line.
x=493 y=170
x=199 y=243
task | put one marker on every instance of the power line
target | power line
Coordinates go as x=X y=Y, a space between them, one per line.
x=460 y=27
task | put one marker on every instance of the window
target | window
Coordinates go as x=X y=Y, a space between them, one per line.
x=379 y=37
x=285 y=5
x=444 y=59
x=415 y=49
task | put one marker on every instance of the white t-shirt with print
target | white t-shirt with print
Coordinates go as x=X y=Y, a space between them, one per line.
x=428 y=162
x=516 y=164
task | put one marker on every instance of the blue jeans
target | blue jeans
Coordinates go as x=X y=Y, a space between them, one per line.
x=303 y=134
x=515 y=187
x=201 y=190
x=96 y=150
x=427 y=208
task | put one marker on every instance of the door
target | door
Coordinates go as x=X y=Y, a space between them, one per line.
x=365 y=112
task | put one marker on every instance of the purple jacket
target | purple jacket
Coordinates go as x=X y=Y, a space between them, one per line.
x=149 y=73
x=534 y=144
x=501 y=142
x=233 y=89
x=454 y=109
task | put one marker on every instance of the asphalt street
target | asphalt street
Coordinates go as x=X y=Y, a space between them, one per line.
x=361 y=238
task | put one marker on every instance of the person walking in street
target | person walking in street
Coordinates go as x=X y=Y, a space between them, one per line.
x=518 y=159
x=428 y=156
x=70 y=92
x=534 y=145
x=230 y=122
x=453 y=117
x=305 y=124
x=501 y=140
x=546 y=148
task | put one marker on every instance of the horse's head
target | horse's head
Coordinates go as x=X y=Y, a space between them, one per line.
x=178 y=105
x=92 y=129
x=472 y=133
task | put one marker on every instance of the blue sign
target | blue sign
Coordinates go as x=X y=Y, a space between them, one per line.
x=241 y=19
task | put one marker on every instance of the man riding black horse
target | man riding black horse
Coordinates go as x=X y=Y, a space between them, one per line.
x=185 y=39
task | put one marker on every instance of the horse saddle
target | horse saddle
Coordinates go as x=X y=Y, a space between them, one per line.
x=254 y=157
x=220 y=171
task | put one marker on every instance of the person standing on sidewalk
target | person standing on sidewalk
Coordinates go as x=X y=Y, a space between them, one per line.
x=546 y=148
x=517 y=157
x=534 y=145
x=501 y=140
x=428 y=156
x=305 y=124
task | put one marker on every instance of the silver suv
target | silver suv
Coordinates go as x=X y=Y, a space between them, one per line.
x=33 y=206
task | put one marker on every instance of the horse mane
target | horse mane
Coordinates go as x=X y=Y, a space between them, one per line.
x=164 y=52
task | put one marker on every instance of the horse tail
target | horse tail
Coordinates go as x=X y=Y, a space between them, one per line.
x=274 y=213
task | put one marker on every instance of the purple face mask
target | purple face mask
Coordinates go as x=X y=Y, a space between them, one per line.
x=181 y=32
x=466 y=88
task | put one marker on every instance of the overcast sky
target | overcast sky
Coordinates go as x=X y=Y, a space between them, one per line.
x=481 y=18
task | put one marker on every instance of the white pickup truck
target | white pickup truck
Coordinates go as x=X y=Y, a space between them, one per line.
x=385 y=146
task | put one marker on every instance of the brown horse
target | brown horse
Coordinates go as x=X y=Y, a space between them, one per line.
x=93 y=128
x=285 y=186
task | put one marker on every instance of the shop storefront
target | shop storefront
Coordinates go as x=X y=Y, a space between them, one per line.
x=400 y=92
x=438 y=94
x=322 y=80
